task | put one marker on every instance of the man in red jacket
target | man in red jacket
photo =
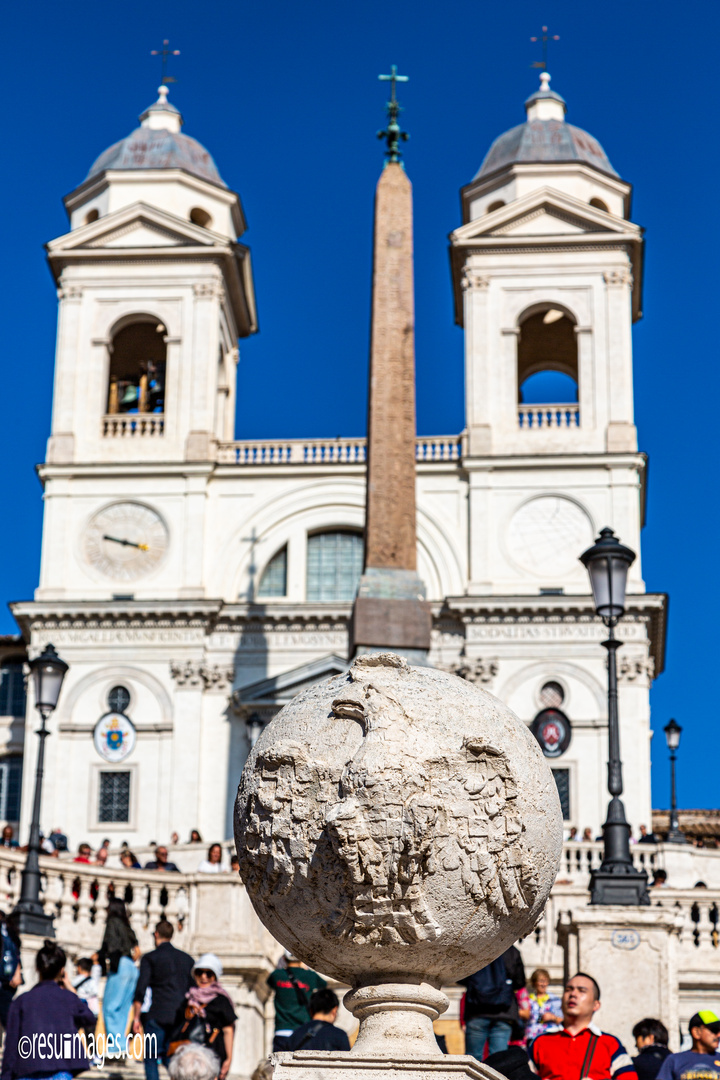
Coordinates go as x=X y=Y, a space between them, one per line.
x=581 y=1049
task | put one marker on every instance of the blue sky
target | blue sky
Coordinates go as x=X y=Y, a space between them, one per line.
x=285 y=96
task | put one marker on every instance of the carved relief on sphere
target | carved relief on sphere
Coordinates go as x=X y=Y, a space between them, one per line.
x=397 y=819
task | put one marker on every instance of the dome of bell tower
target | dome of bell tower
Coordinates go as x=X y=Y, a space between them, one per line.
x=545 y=138
x=159 y=144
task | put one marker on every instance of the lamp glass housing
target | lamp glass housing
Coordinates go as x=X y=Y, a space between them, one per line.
x=607 y=563
x=673 y=732
x=48 y=672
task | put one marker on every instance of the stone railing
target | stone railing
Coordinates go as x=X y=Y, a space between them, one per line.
x=132 y=425
x=208 y=911
x=548 y=416
x=327 y=451
x=579 y=859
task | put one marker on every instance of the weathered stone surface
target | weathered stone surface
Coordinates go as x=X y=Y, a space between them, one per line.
x=397 y=825
x=390 y=507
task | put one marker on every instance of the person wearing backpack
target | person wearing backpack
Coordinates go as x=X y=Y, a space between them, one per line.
x=491 y=1010
x=321 y=1033
x=293 y=985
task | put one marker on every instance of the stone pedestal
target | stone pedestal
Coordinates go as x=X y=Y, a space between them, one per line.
x=632 y=953
x=329 y=1065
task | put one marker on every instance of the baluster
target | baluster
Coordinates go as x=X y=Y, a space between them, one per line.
x=84 y=903
x=704 y=926
x=154 y=907
x=65 y=905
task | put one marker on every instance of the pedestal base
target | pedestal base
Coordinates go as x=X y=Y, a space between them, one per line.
x=334 y=1065
x=390 y=613
x=31 y=919
x=632 y=952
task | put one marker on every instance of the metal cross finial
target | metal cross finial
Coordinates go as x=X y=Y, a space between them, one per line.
x=544 y=38
x=165 y=52
x=393 y=135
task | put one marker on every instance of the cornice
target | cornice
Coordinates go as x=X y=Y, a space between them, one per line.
x=210 y=617
x=649 y=608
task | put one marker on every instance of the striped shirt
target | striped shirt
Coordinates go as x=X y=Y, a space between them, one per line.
x=558 y=1055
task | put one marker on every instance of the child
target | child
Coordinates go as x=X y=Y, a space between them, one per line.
x=87 y=982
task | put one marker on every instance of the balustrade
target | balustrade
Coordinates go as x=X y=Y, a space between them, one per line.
x=548 y=416
x=327 y=451
x=131 y=425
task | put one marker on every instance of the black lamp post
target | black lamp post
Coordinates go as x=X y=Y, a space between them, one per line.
x=673 y=732
x=617 y=881
x=48 y=672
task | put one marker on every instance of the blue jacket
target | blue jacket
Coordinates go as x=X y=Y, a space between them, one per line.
x=37 y=1022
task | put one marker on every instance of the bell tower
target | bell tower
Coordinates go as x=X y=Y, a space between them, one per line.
x=155 y=288
x=547 y=273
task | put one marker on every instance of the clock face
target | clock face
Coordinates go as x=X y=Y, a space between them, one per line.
x=547 y=535
x=125 y=541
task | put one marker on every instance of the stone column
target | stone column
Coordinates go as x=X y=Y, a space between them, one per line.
x=390 y=611
x=632 y=952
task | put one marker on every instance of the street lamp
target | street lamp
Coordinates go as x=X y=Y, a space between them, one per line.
x=617 y=881
x=673 y=731
x=48 y=672
x=254 y=726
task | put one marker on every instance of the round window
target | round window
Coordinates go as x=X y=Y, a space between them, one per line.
x=118 y=699
x=552 y=695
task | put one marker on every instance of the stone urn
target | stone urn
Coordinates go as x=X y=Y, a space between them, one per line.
x=397 y=828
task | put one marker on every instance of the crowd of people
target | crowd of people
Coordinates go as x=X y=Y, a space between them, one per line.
x=517 y=1026
x=56 y=844
x=523 y=1030
x=178 y=1003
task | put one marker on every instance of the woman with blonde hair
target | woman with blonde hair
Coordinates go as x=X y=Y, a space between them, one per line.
x=545 y=1008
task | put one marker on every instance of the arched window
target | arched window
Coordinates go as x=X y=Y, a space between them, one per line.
x=547 y=358
x=92 y=215
x=12 y=687
x=495 y=205
x=198 y=216
x=334 y=566
x=599 y=204
x=274 y=577
x=137 y=368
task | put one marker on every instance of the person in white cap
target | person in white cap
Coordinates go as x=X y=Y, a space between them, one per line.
x=207 y=1016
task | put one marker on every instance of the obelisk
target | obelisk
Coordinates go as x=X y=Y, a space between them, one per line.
x=390 y=610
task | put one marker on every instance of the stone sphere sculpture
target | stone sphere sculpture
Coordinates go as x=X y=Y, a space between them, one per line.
x=397 y=826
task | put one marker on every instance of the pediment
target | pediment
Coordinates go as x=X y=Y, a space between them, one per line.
x=139 y=233
x=545 y=212
x=275 y=692
x=545 y=220
x=135 y=226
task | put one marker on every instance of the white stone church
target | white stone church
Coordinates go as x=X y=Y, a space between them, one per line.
x=195 y=582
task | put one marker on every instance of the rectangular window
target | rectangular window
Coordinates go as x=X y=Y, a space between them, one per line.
x=114 y=798
x=334 y=566
x=10 y=788
x=562 y=779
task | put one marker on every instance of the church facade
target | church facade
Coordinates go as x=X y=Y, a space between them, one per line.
x=195 y=582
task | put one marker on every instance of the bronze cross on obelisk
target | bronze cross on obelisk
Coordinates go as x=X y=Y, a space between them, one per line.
x=164 y=53
x=393 y=135
x=544 y=38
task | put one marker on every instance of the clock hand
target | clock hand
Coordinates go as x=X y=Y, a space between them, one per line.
x=127 y=543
